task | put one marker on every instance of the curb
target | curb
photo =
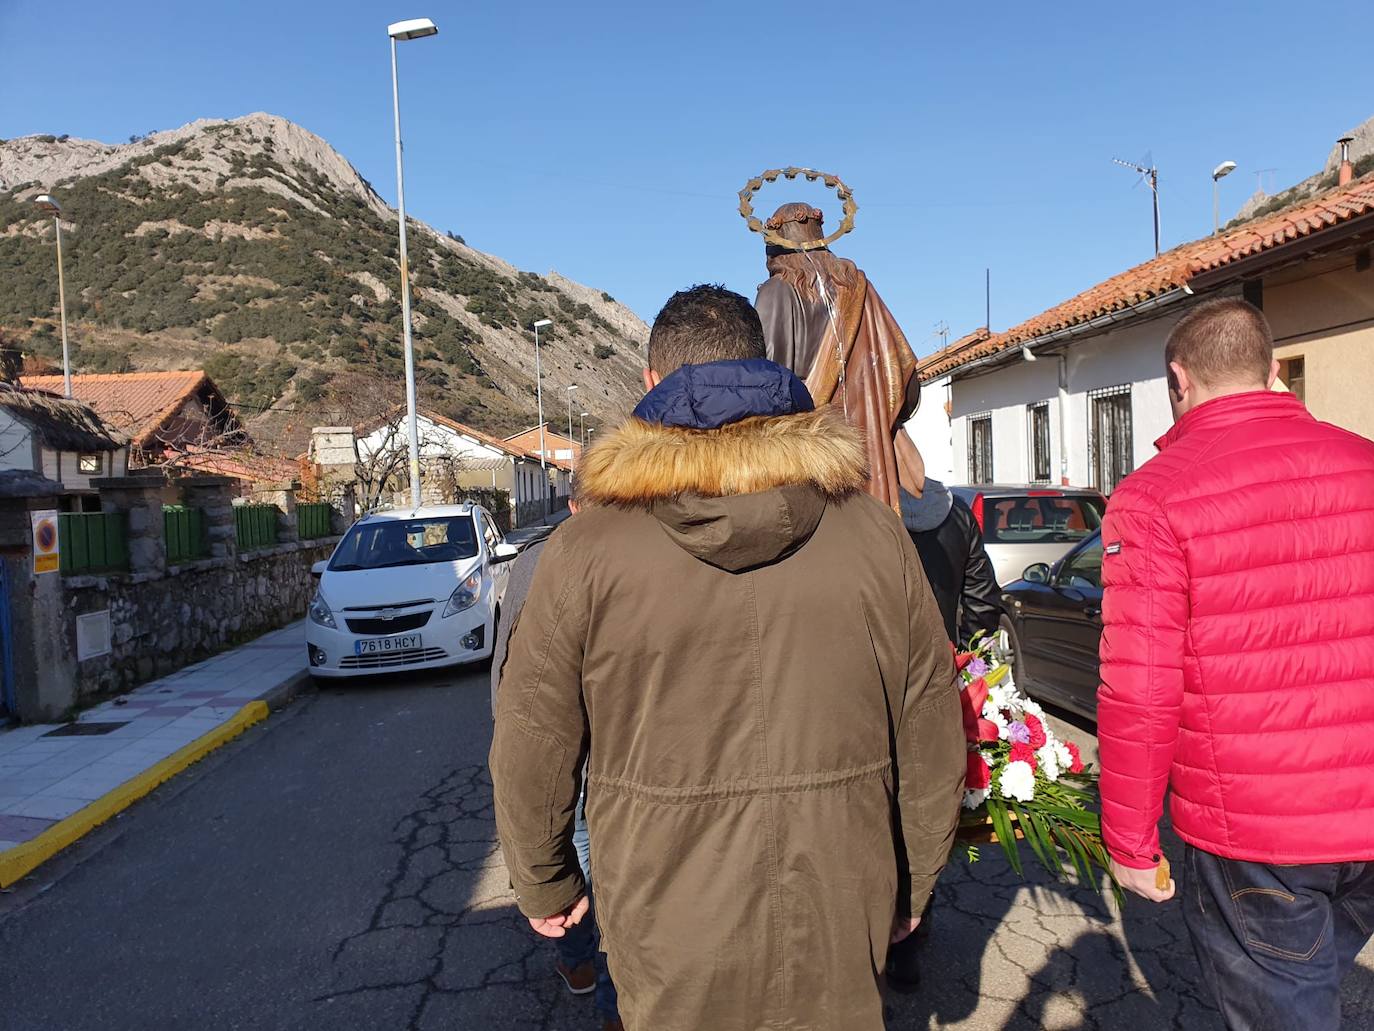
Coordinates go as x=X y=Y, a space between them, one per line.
x=24 y=858
x=279 y=697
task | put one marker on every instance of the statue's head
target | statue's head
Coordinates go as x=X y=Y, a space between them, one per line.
x=799 y=222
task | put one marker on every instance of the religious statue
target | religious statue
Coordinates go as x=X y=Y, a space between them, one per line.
x=825 y=321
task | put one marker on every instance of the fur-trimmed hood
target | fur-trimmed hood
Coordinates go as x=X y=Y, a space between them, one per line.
x=736 y=497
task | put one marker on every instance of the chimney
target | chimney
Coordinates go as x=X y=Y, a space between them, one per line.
x=1347 y=171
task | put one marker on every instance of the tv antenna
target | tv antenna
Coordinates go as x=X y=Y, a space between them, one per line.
x=1260 y=173
x=942 y=331
x=1148 y=173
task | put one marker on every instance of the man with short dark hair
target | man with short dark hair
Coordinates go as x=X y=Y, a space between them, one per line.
x=740 y=646
x=1238 y=671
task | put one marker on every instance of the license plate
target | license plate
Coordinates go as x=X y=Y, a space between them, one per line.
x=386 y=645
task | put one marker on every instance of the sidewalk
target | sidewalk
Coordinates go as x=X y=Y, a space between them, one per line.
x=58 y=781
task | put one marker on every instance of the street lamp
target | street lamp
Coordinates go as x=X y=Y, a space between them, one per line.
x=570 y=390
x=48 y=203
x=415 y=28
x=539 y=389
x=583 y=418
x=1219 y=173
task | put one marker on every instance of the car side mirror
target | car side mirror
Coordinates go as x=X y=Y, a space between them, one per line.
x=1039 y=573
x=317 y=570
x=503 y=552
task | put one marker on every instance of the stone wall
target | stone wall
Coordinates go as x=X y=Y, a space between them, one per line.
x=163 y=622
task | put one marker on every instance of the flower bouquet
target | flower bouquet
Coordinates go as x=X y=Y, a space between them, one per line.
x=1023 y=782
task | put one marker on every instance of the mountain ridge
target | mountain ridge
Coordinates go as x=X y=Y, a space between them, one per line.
x=252 y=248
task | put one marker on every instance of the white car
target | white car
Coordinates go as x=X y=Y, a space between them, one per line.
x=410 y=589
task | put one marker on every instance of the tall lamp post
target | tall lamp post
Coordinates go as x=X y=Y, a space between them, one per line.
x=539 y=395
x=1219 y=173
x=583 y=419
x=48 y=203
x=571 y=438
x=415 y=28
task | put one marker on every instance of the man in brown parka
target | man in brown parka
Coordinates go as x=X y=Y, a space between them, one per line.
x=740 y=644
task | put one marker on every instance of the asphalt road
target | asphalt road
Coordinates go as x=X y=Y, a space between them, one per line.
x=335 y=868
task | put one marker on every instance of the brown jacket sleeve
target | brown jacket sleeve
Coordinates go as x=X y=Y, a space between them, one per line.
x=931 y=756
x=541 y=739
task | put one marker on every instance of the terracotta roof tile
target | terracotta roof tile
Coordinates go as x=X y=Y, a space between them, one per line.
x=138 y=403
x=1168 y=271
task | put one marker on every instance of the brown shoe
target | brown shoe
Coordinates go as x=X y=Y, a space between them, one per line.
x=581 y=979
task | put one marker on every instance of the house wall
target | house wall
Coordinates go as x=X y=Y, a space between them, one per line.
x=1329 y=320
x=16 y=444
x=930 y=430
x=1130 y=354
x=64 y=467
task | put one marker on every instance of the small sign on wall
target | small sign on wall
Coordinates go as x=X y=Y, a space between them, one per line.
x=46 y=542
x=92 y=635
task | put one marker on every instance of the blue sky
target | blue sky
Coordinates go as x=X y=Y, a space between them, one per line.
x=608 y=140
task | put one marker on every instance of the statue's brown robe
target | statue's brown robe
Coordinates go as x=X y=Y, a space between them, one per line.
x=859 y=359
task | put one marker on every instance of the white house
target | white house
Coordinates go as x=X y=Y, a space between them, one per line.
x=60 y=439
x=452 y=456
x=1077 y=395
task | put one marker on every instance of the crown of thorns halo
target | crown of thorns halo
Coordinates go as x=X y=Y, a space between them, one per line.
x=834 y=182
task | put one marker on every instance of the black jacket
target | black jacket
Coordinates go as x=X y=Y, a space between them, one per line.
x=950 y=544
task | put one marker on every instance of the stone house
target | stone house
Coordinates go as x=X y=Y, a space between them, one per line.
x=1076 y=394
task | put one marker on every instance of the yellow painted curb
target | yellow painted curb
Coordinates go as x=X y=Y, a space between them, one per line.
x=22 y=859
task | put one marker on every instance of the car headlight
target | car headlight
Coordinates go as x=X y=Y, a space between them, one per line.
x=465 y=595
x=320 y=612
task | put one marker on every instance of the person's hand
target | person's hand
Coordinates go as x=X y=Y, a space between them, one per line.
x=1142 y=882
x=903 y=927
x=556 y=926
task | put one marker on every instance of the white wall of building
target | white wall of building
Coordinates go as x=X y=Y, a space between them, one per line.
x=1131 y=355
x=931 y=432
x=16 y=444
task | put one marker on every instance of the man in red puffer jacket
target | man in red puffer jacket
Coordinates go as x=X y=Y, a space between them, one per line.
x=1238 y=671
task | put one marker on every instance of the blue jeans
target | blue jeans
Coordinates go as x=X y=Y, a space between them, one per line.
x=1274 y=942
x=581 y=943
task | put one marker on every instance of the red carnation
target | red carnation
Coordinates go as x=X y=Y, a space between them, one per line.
x=1077 y=765
x=979 y=775
x=1024 y=754
x=1037 y=732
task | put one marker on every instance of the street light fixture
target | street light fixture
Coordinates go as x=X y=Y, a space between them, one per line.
x=415 y=28
x=48 y=204
x=1219 y=173
x=583 y=418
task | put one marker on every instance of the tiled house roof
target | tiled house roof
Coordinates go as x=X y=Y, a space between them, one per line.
x=138 y=403
x=1171 y=270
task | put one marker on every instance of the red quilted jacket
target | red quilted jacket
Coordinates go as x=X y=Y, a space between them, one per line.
x=1238 y=639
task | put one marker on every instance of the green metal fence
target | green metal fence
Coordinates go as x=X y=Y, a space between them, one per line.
x=184 y=531
x=93 y=542
x=313 y=520
x=255 y=526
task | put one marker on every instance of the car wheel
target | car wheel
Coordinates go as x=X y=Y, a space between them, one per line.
x=1006 y=647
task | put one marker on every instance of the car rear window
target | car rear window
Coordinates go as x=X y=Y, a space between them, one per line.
x=1043 y=519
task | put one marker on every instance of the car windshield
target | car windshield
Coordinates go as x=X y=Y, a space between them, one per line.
x=1040 y=519
x=383 y=543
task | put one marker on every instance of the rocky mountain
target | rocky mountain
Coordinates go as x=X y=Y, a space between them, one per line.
x=253 y=249
x=1361 y=156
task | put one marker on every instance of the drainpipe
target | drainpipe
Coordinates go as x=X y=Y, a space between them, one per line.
x=1063 y=419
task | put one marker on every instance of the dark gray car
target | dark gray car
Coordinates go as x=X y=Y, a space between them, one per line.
x=1051 y=627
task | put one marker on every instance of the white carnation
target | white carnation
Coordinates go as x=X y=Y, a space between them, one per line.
x=994 y=716
x=1049 y=761
x=1062 y=755
x=1032 y=707
x=1017 y=781
x=974 y=797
